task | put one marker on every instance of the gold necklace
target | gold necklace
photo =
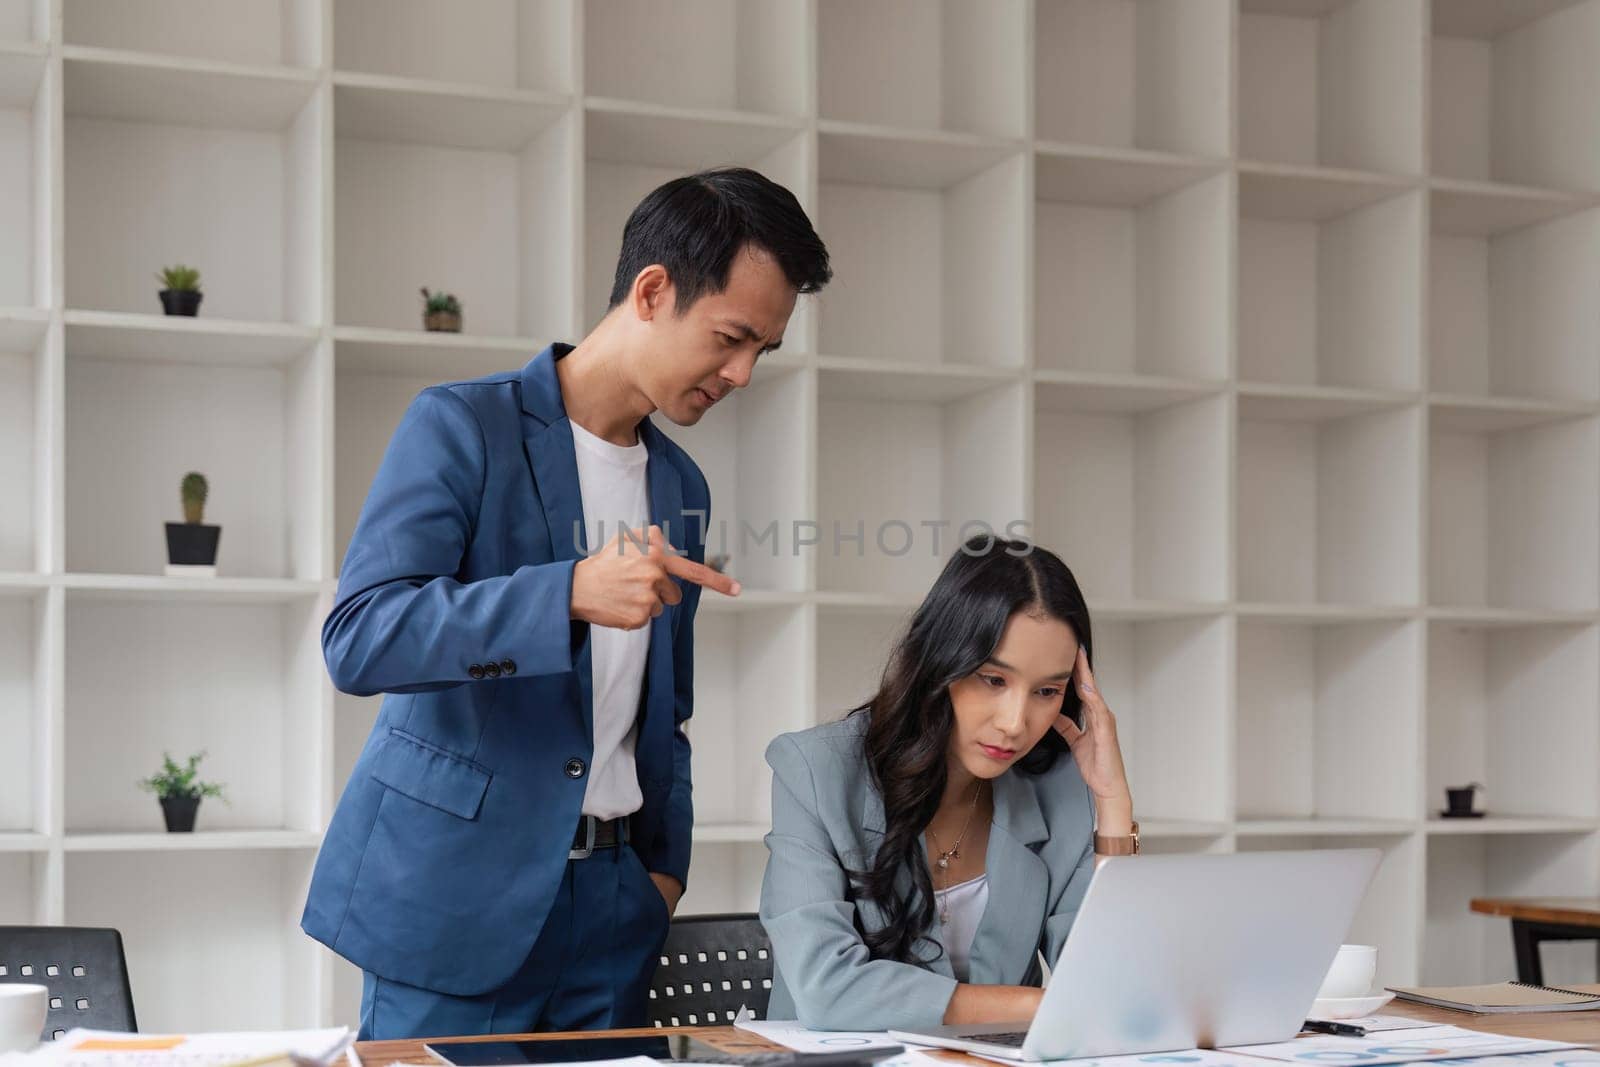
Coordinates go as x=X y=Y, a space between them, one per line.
x=942 y=864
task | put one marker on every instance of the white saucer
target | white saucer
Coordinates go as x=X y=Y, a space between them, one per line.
x=1348 y=1007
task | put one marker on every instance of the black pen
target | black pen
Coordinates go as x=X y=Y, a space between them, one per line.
x=1324 y=1026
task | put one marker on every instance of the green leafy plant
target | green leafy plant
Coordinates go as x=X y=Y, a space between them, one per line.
x=180 y=278
x=181 y=781
x=441 y=301
x=194 y=491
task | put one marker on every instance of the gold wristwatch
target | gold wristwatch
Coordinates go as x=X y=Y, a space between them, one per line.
x=1118 y=846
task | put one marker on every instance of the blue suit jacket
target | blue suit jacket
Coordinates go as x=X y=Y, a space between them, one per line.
x=450 y=840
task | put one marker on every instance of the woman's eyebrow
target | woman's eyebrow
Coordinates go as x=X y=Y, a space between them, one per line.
x=1003 y=665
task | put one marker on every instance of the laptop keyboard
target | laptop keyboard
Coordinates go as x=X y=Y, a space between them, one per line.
x=1008 y=1040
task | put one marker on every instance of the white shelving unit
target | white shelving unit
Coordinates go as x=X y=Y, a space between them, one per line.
x=1273 y=317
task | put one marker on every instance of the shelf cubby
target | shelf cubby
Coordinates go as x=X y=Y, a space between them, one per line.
x=1115 y=239
x=509 y=169
x=951 y=65
x=177 y=163
x=1109 y=486
x=1168 y=683
x=1150 y=74
x=23 y=888
x=1461 y=946
x=252 y=707
x=240 y=916
x=1509 y=305
x=26 y=759
x=381 y=400
x=1332 y=83
x=720 y=55
x=745 y=661
x=628 y=152
x=1328 y=510
x=501 y=44
x=1512 y=512
x=1328 y=719
x=932 y=232
x=1387 y=916
x=726 y=879
x=134 y=428
x=1329 y=290
x=1491 y=66
x=757 y=478
x=853 y=648
x=25 y=227
x=261 y=33
x=1512 y=708
x=890 y=462
x=24 y=21
x=26 y=402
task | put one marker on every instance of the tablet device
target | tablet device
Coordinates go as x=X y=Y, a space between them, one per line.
x=667 y=1047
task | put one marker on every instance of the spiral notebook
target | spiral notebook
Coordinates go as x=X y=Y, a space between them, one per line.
x=1501 y=997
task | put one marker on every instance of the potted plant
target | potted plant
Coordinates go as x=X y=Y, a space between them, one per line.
x=191 y=544
x=441 y=312
x=180 y=791
x=180 y=292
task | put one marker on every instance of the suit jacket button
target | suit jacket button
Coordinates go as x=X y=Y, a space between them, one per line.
x=475 y=672
x=492 y=669
x=507 y=667
x=575 y=768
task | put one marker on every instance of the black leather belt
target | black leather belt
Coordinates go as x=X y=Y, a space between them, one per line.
x=596 y=833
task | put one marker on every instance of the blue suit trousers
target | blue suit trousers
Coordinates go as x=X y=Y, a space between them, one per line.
x=589 y=969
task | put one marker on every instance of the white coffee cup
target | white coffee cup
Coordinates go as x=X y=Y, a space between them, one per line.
x=1352 y=972
x=22 y=1013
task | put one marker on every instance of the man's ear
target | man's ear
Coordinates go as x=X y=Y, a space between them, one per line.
x=652 y=292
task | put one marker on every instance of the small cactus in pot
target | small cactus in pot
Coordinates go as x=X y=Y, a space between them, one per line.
x=192 y=544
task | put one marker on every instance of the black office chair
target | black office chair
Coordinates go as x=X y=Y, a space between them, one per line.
x=710 y=966
x=84 y=969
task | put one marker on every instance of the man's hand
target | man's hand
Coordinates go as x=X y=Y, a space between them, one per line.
x=671 y=891
x=625 y=585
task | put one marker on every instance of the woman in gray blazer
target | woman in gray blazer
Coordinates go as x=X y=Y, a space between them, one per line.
x=927 y=847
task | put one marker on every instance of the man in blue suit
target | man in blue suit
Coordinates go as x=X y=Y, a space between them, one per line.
x=515 y=835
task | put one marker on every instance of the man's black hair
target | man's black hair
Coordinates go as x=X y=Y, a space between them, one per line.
x=694 y=225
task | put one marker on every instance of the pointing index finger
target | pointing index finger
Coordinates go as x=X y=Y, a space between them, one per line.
x=698 y=573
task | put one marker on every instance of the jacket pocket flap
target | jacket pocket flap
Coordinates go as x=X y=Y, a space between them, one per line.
x=429 y=774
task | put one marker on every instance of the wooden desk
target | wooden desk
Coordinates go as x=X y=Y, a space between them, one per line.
x=1538 y=919
x=1579 y=1027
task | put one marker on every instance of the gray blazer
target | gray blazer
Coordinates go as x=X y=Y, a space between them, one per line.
x=828 y=817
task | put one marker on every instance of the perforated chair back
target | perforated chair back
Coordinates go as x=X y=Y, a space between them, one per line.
x=84 y=969
x=710 y=966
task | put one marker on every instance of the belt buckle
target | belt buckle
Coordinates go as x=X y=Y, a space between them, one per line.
x=589 y=822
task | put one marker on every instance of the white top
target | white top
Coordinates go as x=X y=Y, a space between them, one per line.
x=615 y=491
x=965 y=901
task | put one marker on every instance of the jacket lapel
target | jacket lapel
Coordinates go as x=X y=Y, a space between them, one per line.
x=547 y=440
x=666 y=511
x=1007 y=939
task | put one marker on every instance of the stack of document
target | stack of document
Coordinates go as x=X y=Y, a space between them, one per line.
x=106 y=1048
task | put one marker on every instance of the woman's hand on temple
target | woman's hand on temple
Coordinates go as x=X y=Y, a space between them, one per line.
x=1095 y=748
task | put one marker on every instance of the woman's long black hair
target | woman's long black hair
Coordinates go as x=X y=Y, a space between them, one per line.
x=954 y=631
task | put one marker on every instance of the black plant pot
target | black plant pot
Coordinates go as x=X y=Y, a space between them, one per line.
x=1459 y=802
x=181 y=301
x=192 y=543
x=180 y=812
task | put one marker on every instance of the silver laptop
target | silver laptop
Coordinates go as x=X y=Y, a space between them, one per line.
x=1186 y=951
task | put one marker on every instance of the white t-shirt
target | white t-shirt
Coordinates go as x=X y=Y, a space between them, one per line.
x=615 y=491
x=965 y=902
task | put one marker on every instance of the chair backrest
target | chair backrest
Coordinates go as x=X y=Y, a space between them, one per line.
x=84 y=969
x=710 y=966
